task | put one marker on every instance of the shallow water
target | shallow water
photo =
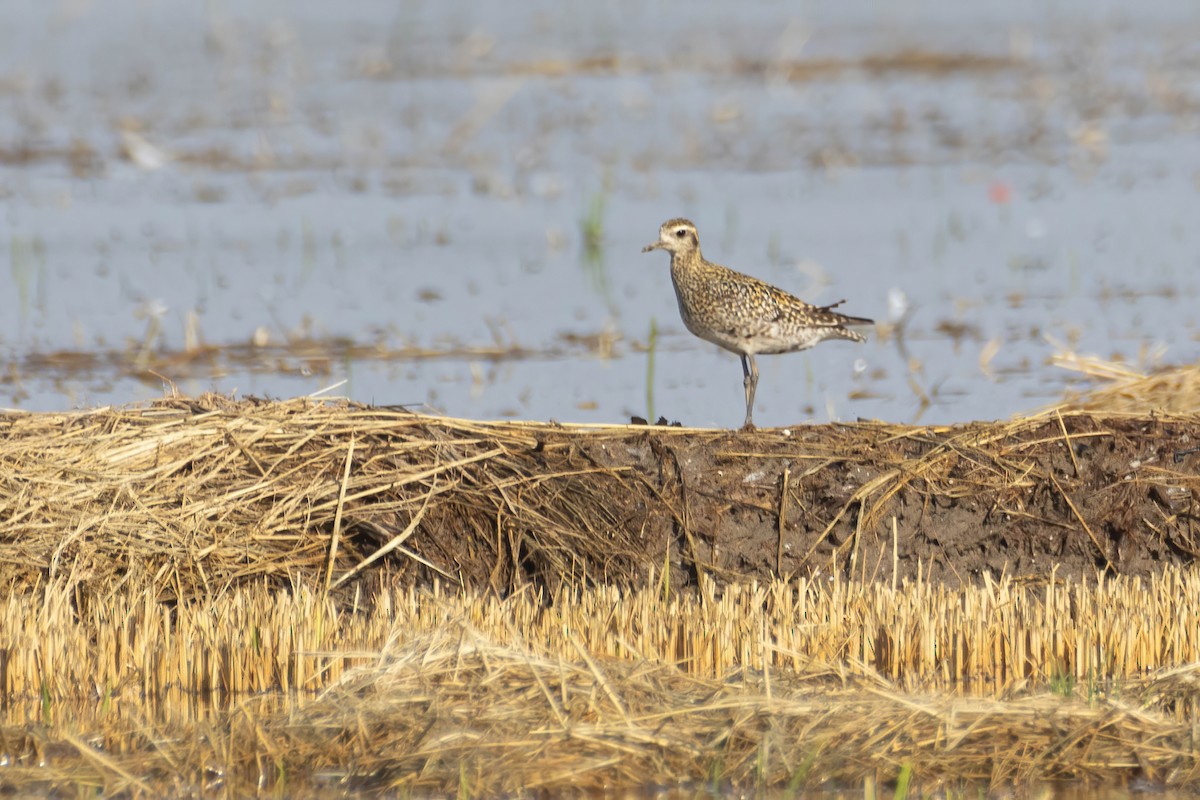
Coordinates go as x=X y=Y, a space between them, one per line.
x=996 y=183
x=55 y=749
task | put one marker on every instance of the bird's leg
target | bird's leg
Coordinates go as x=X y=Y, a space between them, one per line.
x=750 y=381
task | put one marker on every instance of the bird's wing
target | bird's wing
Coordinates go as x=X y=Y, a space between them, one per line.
x=742 y=306
x=818 y=316
x=793 y=309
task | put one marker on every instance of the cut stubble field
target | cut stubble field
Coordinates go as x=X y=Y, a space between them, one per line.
x=208 y=594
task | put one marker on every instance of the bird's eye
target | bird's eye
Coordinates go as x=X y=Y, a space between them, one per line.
x=679 y=234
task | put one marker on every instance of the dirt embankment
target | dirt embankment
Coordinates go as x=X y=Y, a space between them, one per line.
x=205 y=493
x=1076 y=493
x=1079 y=492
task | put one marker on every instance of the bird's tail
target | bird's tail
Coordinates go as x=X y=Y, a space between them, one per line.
x=849 y=322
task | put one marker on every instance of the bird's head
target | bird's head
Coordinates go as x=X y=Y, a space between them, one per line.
x=676 y=236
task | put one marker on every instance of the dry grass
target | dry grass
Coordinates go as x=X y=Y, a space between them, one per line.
x=600 y=724
x=459 y=711
x=487 y=607
x=992 y=639
x=1123 y=389
x=191 y=497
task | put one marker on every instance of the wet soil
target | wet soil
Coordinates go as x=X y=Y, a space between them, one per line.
x=1071 y=495
x=192 y=493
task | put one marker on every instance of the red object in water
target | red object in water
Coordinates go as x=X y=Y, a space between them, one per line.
x=999 y=192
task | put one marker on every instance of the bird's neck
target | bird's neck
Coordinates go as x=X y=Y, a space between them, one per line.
x=686 y=259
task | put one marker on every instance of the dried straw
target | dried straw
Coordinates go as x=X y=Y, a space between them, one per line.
x=602 y=628
x=193 y=496
x=458 y=712
x=1123 y=389
x=992 y=639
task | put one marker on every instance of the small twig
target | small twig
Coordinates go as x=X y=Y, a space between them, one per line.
x=430 y=565
x=337 y=517
x=603 y=681
x=392 y=543
x=106 y=763
x=166 y=380
x=864 y=491
x=1108 y=564
x=682 y=517
x=857 y=537
x=1067 y=441
x=895 y=552
x=783 y=494
x=244 y=451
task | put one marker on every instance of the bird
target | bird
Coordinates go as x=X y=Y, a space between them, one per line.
x=741 y=313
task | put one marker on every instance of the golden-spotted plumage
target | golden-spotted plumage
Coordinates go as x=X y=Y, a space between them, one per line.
x=741 y=313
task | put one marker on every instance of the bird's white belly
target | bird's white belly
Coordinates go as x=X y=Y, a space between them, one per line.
x=770 y=338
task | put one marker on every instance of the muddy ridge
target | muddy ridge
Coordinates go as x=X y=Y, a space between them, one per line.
x=193 y=494
x=1075 y=494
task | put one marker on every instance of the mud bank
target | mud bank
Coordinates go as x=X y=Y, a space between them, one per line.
x=198 y=493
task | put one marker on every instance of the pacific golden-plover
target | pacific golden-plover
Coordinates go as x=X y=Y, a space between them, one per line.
x=740 y=313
